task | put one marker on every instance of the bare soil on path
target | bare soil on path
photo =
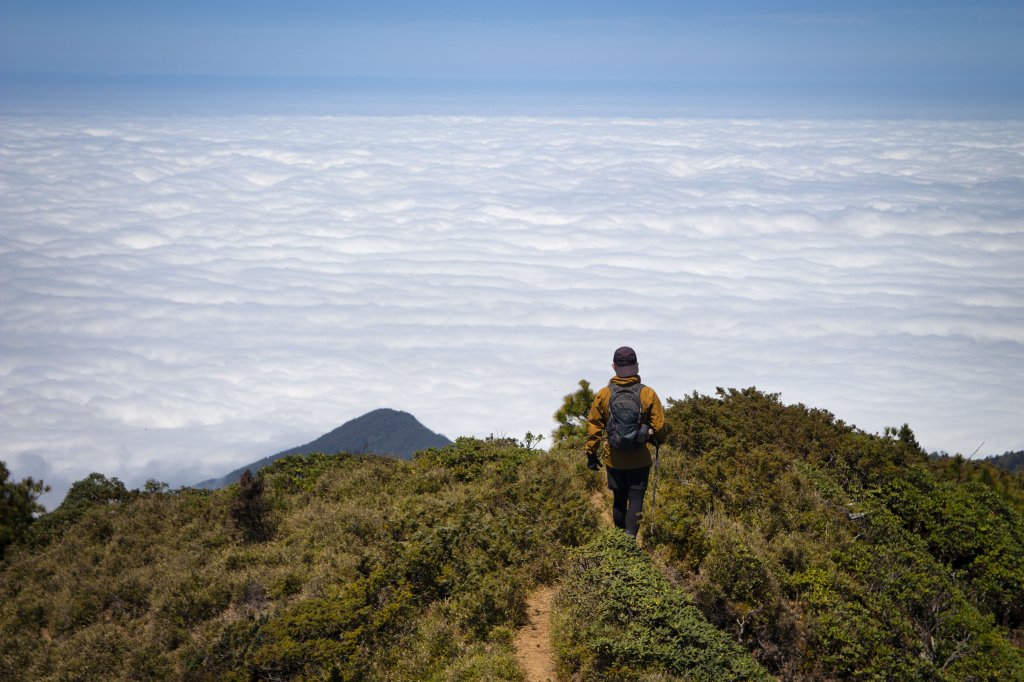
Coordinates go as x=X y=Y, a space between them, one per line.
x=601 y=499
x=533 y=640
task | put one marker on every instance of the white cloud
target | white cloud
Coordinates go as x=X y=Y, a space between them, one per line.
x=180 y=296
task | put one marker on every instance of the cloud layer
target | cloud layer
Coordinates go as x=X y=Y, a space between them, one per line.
x=182 y=295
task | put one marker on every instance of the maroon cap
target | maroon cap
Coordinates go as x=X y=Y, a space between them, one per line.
x=624 y=356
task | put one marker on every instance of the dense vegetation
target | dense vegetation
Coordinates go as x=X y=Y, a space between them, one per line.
x=785 y=543
x=618 y=617
x=343 y=567
x=832 y=553
x=18 y=507
x=1003 y=474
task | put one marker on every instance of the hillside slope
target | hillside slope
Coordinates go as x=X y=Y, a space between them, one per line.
x=380 y=432
x=785 y=543
x=831 y=553
x=325 y=567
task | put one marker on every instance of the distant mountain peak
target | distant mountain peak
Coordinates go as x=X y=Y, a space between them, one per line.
x=382 y=431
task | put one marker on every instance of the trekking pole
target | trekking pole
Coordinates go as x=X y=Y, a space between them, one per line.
x=654 y=487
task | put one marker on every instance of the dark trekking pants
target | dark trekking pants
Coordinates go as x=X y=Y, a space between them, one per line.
x=628 y=487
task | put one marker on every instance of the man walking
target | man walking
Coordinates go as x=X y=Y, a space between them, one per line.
x=624 y=418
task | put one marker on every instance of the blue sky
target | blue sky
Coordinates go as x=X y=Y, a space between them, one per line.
x=902 y=58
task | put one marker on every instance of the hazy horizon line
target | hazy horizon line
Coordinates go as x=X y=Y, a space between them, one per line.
x=74 y=93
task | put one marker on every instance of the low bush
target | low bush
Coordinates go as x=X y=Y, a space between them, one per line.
x=250 y=508
x=617 y=617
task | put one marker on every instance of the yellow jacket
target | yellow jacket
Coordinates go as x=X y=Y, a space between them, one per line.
x=653 y=415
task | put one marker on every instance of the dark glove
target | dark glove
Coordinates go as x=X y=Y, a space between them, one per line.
x=593 y=463
x=646 y=433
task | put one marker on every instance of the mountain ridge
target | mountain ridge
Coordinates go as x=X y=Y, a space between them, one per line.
x=383 y=431
x=1012 y=461
x=786 y=544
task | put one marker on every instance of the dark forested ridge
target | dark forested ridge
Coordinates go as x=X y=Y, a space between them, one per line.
x=1011 y=461
x=785 y=543
x=380 y=432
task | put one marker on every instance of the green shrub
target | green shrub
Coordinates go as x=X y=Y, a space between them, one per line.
x=300 y=473
x=971 y=530
x=95 y=490
x=618 y=618
x=250 y=508
x=337 y=635
x=466 y=458
x=484 y=661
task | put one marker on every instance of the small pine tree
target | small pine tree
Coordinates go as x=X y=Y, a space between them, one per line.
x=18 y=507
x=572 y=417
x=250 y=509
x=906 y=436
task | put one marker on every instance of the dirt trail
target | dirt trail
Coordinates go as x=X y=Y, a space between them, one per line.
x=533 y=640
x=601 y=499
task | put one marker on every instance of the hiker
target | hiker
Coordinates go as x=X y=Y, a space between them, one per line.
x=624 y=418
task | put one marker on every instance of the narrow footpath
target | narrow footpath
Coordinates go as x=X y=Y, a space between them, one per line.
x=601 y=499
x=533 y=640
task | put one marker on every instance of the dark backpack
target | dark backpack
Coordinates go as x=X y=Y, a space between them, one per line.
x=625 y=429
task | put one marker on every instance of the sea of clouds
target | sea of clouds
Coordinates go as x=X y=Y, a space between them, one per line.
x=181 y=296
